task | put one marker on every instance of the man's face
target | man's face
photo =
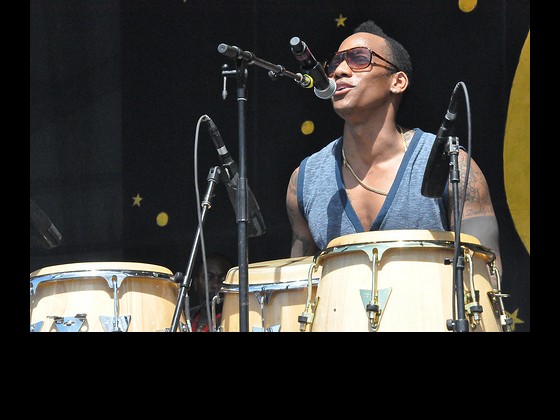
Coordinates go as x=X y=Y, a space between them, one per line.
x=216 y=276
x=361 y=92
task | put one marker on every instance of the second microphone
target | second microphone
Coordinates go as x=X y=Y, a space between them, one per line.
x=323 y=86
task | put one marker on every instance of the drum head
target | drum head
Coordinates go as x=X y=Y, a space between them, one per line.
x=400 y=235
x=273 y=272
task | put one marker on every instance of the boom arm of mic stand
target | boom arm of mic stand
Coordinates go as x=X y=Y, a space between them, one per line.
x=213 y=179
x=275 y=70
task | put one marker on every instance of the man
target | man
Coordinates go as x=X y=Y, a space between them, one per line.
x=370 y=178
x=218 y=265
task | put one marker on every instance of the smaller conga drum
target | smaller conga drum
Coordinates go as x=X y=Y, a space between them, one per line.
x=403 y=280
x=102 y=297
x=277 y=292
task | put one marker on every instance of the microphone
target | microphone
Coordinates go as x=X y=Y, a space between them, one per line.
x=436 y=173
x=225 y=158
x=232 y=51
x=323 y=86
x=46 y=234
x=256 y=225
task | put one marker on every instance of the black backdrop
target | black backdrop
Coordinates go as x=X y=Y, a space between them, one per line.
x=117 y=89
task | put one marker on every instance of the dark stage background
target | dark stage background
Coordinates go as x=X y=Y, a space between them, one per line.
x=117 y=89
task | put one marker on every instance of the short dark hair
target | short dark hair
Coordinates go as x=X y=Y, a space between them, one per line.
x=218 y=258
x=398 y=54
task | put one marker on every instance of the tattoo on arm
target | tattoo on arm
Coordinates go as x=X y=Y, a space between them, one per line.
x=477 y=196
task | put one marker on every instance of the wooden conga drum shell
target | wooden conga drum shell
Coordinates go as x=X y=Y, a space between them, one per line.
x=414 y=282
x=278 y=291
x=105 y=296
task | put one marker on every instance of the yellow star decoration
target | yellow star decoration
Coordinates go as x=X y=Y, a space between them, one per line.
x=340 y=20
x=136 y=200
x=515 y=319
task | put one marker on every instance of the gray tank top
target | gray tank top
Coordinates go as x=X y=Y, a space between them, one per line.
x=323 y=201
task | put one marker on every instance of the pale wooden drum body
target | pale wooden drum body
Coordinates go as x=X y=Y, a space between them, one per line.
x=278 y=291
x=414 y=284
x=102 y=297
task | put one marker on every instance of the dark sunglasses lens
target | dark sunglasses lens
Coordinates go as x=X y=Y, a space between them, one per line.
x=334 y=63
x=358 y=58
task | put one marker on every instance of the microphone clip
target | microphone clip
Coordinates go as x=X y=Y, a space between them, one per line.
x=226 y=72
x=306 y=80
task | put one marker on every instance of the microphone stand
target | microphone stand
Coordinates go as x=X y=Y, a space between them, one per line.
x=242 y=201
x=242 y=60
x=186 y=280
x=460 y=324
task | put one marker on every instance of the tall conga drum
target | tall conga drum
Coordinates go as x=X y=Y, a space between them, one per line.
x=403 y=281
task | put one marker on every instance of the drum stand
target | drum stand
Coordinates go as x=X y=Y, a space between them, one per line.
x=186 y=280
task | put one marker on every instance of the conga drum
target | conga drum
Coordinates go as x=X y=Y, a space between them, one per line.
x=277 y=292
x=402 y=280
x=102 y=297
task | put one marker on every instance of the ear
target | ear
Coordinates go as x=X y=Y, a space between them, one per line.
x=399 y=82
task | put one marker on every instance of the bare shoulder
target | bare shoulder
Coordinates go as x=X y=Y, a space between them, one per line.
x=292 y=185
x=291 y=192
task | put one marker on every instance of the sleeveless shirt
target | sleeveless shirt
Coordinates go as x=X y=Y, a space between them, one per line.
x=323 y=201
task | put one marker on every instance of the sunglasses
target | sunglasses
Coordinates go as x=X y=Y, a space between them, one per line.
x=357 y=58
